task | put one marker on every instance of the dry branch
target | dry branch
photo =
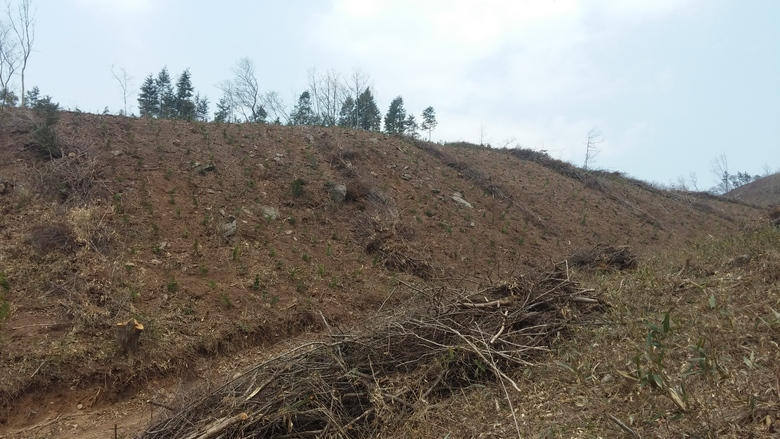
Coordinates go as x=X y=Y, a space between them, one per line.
x=361 y=385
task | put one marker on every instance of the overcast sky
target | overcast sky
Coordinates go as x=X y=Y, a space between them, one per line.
x=672 y=84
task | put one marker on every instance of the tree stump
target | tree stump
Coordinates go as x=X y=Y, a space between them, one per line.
x=127 y=336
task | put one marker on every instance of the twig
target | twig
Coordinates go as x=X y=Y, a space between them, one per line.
x=623 y=426
x=218 y=427
x=157 y=404
x=39 y=368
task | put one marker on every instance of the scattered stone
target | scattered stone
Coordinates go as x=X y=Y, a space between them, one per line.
x=269 y=213
x=117 y=153
x=458 y=198
x=338 y=193
x=156 y=261
x=228 y=228
x=373 y=140
x=406 y=177
x=740 y=261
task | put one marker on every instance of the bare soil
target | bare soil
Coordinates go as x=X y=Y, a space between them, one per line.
x=167 y=222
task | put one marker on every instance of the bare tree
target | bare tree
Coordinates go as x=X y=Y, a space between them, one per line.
x=9 y=62
x=694 y=181
x=328 y=92
x=23 y=26
x=482 y=134
x=124 y=83
x=276 y=106
x=358 y=82
x=243 y=92
x=720 y=168
x=592 y=146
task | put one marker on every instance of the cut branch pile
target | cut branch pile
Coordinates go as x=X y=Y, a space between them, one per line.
x=358 y=386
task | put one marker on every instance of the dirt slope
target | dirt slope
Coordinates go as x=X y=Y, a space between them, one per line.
x=763 y=192
x=168 y=222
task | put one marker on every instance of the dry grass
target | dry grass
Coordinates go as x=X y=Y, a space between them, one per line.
x=688 y=348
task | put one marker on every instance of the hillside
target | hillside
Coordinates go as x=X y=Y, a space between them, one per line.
x=225 y=240
x=764 y=191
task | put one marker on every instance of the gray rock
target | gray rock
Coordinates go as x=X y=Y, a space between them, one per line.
x=338 y=193
x=269 y=213
x=228 y=227
x=458 y=198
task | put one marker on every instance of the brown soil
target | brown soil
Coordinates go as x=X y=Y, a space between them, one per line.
x=135 y=222
x=763 y=192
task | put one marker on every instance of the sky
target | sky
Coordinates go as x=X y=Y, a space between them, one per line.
x=671 y=84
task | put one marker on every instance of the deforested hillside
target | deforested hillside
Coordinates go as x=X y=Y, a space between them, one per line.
x=764 y=191
x=220 y=239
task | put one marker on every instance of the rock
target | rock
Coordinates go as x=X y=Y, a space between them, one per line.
x=406 y=177
x=338 y=193
x=740 y=261
x=116 y=153
x=228 y=228
x=269 y=213
x=458 y=198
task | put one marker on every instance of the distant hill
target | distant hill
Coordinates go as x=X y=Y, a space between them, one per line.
x=763 y=192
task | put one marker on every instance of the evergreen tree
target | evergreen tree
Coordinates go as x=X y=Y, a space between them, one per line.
x=31 y=97
x=347 y=115
x=395 y=119
x=303 y=114
x=184 y=105
x=429 y=121
x=8 y=98
x=224 y=111
x=165 y=93
x=410 y=126
x=149 y=98
x=367 y=113
x=201 y=108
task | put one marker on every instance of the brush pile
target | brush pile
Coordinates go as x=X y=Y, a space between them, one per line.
x=360 y=385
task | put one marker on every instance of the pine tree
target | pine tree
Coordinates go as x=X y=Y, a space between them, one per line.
x=429 y=121
x=224 y=111
x=165 y=95
x=347 y=115
x=303 y=113
x=201 y=108
x=184 y=105
x=395 y=119
x=368 y=115
x=149 y=99
x=410 y=126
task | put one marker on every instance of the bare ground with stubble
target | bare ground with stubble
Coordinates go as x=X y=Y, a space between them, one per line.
x=167 y=222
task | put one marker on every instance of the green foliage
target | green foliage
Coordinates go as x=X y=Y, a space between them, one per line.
x=47 y=114
x=395 y=119
x=303 y=114
x=159 y=99
x=172 y=286
x=4 y=284
x=297 y=187
x=429 y=121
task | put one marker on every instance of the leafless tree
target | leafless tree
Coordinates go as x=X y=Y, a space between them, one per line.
x=243 y=92
x=328 y=92
x=358 y=82
x=9 y=60
x=720 y=168
x=694 y=181
x=276 y=106
x=23 y=27
x=592 y=146
x=482 y=134
x=124 y=81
